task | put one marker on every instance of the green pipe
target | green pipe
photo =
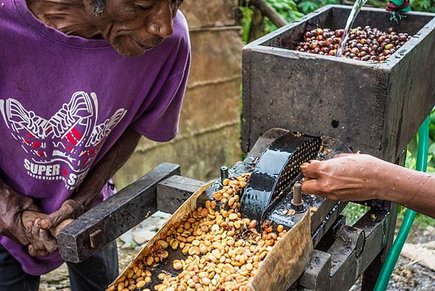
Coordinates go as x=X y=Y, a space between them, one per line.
x=396 y=248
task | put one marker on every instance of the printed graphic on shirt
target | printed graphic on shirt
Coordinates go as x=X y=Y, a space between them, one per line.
x=64 y=146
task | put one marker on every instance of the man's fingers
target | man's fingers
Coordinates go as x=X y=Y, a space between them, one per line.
x=50 y=244
x=36 y=248
x=346 y=155
x=311 y=187
x=41 y=241
x=36 y=252
x=310 y=169
x=31 y=251
x=69 y=209
x=29 y=226
x=53 y=219
x=46 y=223
x=37 y=243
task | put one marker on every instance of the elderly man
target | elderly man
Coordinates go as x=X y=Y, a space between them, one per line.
x=80 y=82
x=360 y=177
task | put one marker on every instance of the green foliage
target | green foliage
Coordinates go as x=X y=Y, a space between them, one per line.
x=308 y=6
x=411 y=155
x=354 y=212
x=246 y=16
x=288 y=9
x=423 y=5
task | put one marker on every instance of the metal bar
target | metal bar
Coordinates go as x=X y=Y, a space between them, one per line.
x=111 y=218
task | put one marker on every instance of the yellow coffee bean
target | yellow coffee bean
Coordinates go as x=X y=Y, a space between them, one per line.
x=140 y=284
x=253 y=224
x=233 y=216
x=177 y=265
x=163 y=244
x=231 y=201
x=150 y=261
x=174 y=245
x=217 y=196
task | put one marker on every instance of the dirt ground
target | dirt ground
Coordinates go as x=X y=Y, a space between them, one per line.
x=407 y=275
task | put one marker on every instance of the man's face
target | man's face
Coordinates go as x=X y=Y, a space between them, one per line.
x=135 y=26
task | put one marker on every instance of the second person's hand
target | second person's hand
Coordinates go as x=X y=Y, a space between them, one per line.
x=345 y=177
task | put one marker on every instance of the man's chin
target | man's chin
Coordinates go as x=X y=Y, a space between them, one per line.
x=132 y=50
x=130 y=47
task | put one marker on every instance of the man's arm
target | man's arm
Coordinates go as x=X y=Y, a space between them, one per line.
x=91 y=187
x=362 y=177
x=12 y=205
x=17 y=216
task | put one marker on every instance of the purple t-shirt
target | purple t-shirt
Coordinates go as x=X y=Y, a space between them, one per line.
x=65 y=100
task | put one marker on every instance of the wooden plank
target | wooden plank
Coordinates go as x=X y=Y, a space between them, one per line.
x=111 y=218
x=174 y=191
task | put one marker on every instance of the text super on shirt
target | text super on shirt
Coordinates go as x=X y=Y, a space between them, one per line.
x=65 y=100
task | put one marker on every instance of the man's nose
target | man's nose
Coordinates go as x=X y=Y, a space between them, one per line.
x=161 y=23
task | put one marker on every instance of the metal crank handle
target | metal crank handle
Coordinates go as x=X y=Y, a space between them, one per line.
x=297 y=202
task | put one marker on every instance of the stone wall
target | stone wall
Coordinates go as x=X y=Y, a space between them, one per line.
x=210 y=121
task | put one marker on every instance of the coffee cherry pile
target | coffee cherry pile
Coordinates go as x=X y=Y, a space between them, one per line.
x=365 y=44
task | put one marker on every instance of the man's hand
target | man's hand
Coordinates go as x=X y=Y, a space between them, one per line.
x=70 y=209
x=363 y=177
x=41 y=242
x=346 y=177
x=19 y=220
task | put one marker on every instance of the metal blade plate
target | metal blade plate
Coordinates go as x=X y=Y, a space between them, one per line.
x=276 y=169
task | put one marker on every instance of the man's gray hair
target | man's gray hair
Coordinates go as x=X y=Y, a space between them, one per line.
x=98 y=6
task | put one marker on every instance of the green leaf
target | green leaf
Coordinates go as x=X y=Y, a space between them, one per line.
x=307 y=6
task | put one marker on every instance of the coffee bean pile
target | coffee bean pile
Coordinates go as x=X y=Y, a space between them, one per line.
x=221 y=249
x=365 y=44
